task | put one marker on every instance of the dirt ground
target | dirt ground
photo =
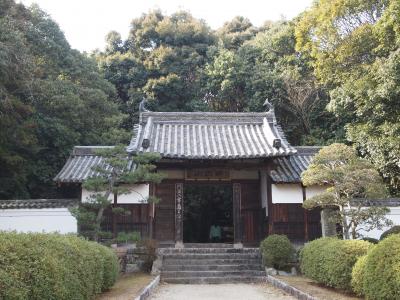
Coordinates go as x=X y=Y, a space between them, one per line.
x=127 y=287
x=260 y=291
x=316 y=290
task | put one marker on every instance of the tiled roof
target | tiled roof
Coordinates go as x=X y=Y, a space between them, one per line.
x=288 y=169
x=79 y=165
x=388 y=202
x=209 y=135
x=37 y=203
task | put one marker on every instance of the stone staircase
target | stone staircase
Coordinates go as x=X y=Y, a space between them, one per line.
x=211 y=263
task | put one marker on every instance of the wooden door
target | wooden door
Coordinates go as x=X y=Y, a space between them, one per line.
x=164 y=218
x=251 y=212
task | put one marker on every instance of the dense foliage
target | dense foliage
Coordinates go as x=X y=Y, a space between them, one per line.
x=277 y=251
x=349 y=180
x=377 y=275
x=393 y=230
x=332 y=74
x=357 y=275
x=51 y=98
x=354 y=48
x=330 y=261
x=53 y=266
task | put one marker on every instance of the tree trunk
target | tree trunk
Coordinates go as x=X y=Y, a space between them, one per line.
x=98 y=224
x=345 y=227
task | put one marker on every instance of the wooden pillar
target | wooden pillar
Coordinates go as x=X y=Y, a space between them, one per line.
x=179 y=214
x=151 y=212
x=237 y=220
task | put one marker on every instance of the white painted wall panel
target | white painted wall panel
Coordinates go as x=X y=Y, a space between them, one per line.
x=38 y=220
x=314 y=190
x=287 y=193
x=138 y=194
x=86 y=194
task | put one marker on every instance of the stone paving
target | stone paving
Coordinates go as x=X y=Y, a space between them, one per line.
x=259 y=291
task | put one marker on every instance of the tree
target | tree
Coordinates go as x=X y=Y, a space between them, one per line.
x=353 y=46
x=348 y=180
x=111 y=179
x=51 y=98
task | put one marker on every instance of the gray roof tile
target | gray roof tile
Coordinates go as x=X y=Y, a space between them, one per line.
x=80 y=164
x=209 y=135
x=37 y=203
x=288 y=169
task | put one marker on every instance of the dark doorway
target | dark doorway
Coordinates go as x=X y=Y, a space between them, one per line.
x=206 y=206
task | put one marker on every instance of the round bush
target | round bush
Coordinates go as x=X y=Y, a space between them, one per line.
x=357 y=276
x=330 y=261
x=53 y=266
x=393 y=230
x=382 y=270
x=277 y=251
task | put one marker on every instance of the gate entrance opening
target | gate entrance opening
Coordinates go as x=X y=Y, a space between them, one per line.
x=207 y=213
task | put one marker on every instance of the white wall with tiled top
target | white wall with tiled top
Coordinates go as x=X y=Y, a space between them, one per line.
x=38 y=220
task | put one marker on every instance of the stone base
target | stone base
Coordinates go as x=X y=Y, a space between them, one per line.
x=238 y=245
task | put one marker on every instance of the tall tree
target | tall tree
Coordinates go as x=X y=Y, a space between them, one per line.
x=354 y=48
x=52 y=98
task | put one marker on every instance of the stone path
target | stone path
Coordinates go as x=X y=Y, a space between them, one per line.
x=259 y=291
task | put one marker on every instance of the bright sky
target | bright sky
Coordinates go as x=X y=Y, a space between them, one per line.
x=86 y=22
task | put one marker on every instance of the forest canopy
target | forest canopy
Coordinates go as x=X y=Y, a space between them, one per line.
x=332 y=73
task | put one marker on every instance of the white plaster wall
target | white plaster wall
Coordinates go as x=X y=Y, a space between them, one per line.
x=393 y=215
x=139 y=193
x=313 y=190
x=86 y=194
x=287 y=193
x=38 y=220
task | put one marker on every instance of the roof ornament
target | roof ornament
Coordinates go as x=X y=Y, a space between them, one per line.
x=142 y=107
x=268 y=106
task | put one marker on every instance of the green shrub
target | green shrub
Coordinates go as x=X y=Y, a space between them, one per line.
x=393 y=230
x=330 y=261
x=382 y=270
x=277 y=251
x=371 y=240
x=53 y=266
x=125 y=237
x=357 y=276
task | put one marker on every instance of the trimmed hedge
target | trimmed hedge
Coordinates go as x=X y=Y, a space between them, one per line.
x=54 y=266
x=330 y=261
x=381 y=276
x=393 y=230
x=357 y=276
x=277 y=251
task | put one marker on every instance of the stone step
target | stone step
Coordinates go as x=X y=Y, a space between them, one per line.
x=216 y=280
x=208 y=245
x=189 y=256
x=208 y=250
x=221 y=261
x=208 y=267
x=184 y=274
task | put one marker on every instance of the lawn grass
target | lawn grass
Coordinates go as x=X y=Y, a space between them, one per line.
x=315 y=289
x=127 y=287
